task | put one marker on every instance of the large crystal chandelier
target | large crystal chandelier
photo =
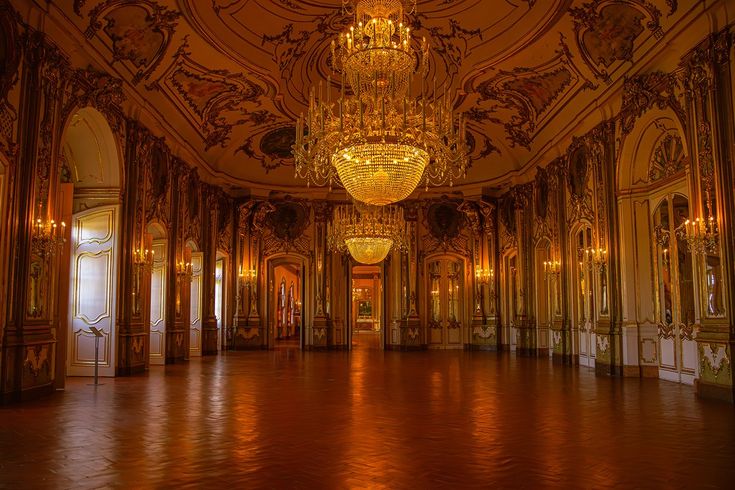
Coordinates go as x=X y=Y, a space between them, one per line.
x=379 y=139
x=367 y=232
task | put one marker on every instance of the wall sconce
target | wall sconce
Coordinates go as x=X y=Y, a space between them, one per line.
x=552 y=269
x=484 y=276
x=47 y=237
x=594 y=258
x=184 y=271
x=142 y=259
x=701 y=235
x=248 y=276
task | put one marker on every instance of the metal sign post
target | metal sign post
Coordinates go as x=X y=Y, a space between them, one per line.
x=97 y=335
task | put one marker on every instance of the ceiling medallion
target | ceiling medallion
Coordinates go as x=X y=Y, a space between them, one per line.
x=380 y=139
x=367 y=232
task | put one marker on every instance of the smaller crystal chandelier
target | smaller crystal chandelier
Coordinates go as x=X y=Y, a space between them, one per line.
x=47 y=237
x=367 y=232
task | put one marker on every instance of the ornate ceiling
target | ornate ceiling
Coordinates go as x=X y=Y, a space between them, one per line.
x=228 y=77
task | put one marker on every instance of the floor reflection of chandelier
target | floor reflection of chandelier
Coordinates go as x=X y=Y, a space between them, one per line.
x=378 y=139
x=367 y=232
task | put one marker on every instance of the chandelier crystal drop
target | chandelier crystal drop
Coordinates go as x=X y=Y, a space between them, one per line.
x=378 y=139
x=368 y=233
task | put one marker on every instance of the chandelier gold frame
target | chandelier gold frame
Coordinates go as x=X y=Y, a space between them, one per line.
x=377 y=139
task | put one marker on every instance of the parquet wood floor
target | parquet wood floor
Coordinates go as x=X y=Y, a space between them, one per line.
x=368 y=419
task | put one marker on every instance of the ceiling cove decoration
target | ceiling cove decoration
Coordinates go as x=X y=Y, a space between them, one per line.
x=274 y=149
x=229 y=97
x=137 y=32
x=214 y=100
x=524 y=99
x=606 y=30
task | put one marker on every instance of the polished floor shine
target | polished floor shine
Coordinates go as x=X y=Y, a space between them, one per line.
x=368 y=419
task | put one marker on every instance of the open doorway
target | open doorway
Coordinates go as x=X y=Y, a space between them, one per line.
x=220 y=308
x=285 y=295
x=90 y=181
x=366 y=312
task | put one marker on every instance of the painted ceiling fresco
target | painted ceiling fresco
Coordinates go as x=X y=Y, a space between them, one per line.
x=227 y=78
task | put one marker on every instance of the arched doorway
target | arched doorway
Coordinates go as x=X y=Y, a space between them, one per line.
x=445 y=316
x=284 y=301
x=159 y=278
x=653 y=181
x=91 y=167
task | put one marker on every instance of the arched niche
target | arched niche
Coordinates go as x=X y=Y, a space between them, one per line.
x=652 y=171
x=91 y=155
x=640 y=146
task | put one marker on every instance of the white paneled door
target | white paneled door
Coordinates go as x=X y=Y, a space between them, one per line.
x=195 y=316
x=93 y=291
x=158 y=304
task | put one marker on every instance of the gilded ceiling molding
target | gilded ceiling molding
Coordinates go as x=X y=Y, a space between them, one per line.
x=644 y=92
x=450 y=46
x=213 y=101
x=524 y=99
x=93 y=88
x=139 y=31
x=606 y=30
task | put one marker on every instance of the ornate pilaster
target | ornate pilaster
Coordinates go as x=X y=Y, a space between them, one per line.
x=248 y=332
x=319 y=333
x=21 y=377
x=178 y=289
x=709 y=93
x=525 y=323
x=209 y=247
x=411 y=336
x=134 y=290
x=561 y=326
